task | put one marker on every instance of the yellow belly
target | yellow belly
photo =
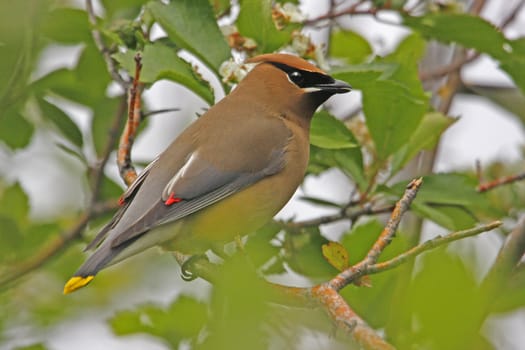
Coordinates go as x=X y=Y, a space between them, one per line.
x=239 y=214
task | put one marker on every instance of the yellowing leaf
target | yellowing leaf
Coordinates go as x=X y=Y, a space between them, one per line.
x=336 y=255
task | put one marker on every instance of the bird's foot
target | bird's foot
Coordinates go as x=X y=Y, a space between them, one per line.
x=186 y=274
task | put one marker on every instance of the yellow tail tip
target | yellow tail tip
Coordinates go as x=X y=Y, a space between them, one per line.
x=76 y=282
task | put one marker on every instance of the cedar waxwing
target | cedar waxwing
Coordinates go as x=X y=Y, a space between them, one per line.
x=227 y=174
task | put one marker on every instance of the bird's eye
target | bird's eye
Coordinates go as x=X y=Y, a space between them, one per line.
x=296 y=77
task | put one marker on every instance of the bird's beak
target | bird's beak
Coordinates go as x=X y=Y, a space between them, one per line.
x=336 y=87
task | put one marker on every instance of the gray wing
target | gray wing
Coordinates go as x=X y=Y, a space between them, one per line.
x=125 y=200
x=195 y=186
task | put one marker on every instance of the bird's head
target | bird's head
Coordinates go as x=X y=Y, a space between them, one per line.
x=283 y=80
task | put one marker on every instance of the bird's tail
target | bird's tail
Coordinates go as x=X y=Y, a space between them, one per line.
x=104 y=256
x=76 y=282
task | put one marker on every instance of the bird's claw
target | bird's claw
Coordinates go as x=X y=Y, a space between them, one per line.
x=186 y=274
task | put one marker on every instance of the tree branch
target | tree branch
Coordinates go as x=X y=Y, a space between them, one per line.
x=350 y=274
x=126 y=168
x=57 y=245
x=99 y=42
x=347 y=320
x=327 y=294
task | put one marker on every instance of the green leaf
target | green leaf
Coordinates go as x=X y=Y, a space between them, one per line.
x=425 y=137
x=374 y=303
x=92 y=74
x=393 y=114
x=349 y=161
x=11 y=240
x=86 y=84
x=336 y=255
x=514 y=62
x=303 y=253
x=350 y=46
x=453 y=218
x=128 y=322
x=109 y=189
x=452 y=289
x=406 y=59
x=255 y=21
x=195 y=316
x=161 y=62
x=123 y=9
x=451 y=188
x=184 y=318
x=512 y=296
x=14 y=203
x=191 y=25
x=103 y=115
x=392 y=102
x=467 y=30
x=37 y=346
x=450 y=200
x=329 y=132
x=360 y=239
x=477 y=33
x=20 y=47
x=35 y=237
x=362 y=75
x=260 y=248
x=238 y=315
x=220 y=7
x=62 y=121
x=15 y=130
x=67 y=26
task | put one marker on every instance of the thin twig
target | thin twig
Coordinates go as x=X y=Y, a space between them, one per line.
x=99 y=42
x=395 y=218
x=505 y=180
x=449 y=68
x=345 y=214
x=512 y=15
x=158 y=111
x=126 y=168
x=479 y=172
x=477 y=6
x=348 y=275
x=352 y=10
x=428 y=245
